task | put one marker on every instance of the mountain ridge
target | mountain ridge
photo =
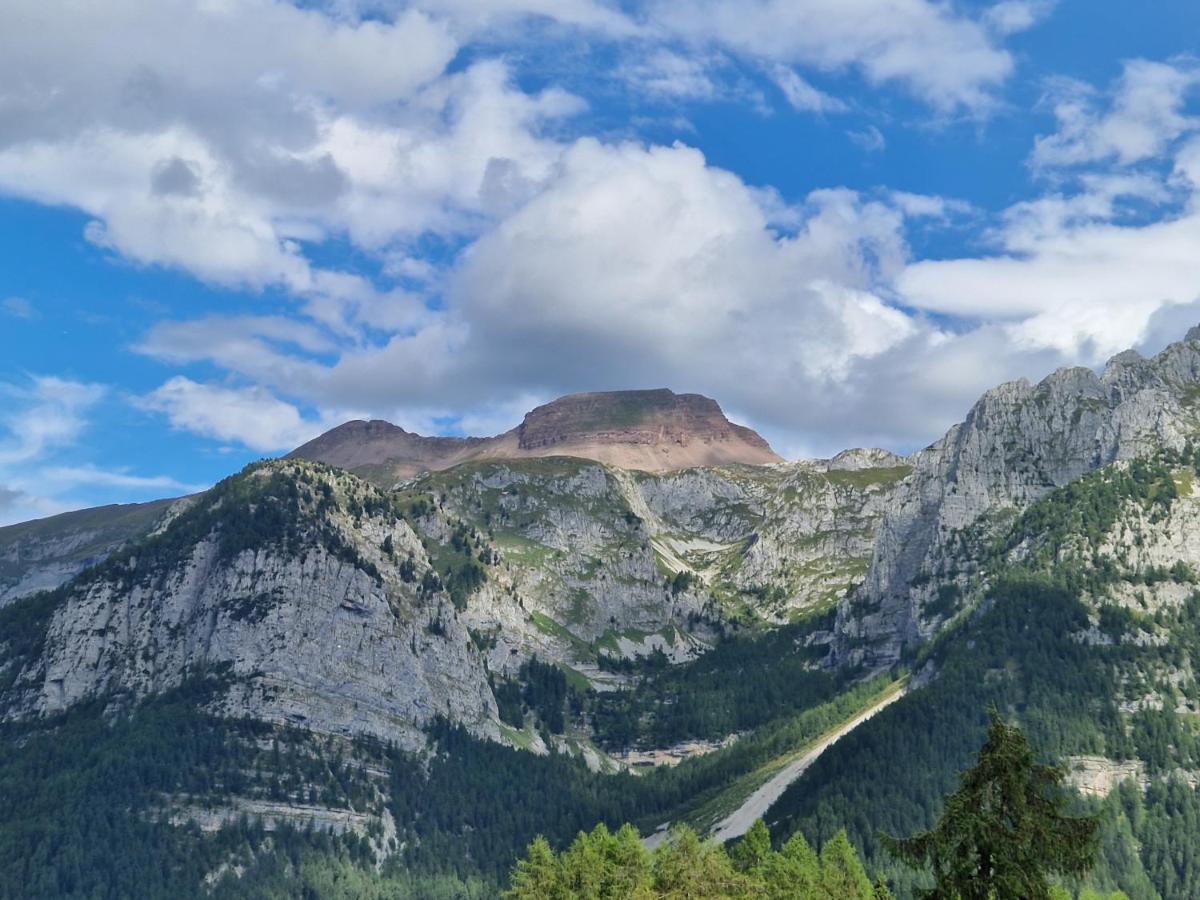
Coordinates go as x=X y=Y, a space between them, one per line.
x=647 y=430
x=570 y=607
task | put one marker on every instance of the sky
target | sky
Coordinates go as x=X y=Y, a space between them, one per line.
x=232 y=224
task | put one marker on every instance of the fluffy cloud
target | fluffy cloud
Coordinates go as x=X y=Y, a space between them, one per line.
x=950 y=61
x=1086 y=271
x=1145 y=115
x=249 y=416
x=196 y=138
x=634 y=266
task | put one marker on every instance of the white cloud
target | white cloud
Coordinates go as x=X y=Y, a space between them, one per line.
x=635 y=266
x=946 y=59
x=1146 y=114
x=197 y=138
x=1012 y=16
x=667 y=73
x=801 y=95
x=1074 y=274
x=870 y=139
x=42 y=423
x=70 y=476
x=250 y=416
x=1093 y=268
x=49 y=414
x=926 y=206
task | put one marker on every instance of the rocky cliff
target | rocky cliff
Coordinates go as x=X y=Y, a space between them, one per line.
x=1019 y=442
x=352 y=606
x=656 y=430
x=346 y=609
x=303 y=585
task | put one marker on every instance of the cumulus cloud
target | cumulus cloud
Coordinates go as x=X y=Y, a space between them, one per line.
x=634 y=266
x=250 y=416
x=197 y=139
x=1145 y=113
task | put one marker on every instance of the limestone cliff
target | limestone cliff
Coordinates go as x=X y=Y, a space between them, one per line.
x=280 y=578
x=1019 y=442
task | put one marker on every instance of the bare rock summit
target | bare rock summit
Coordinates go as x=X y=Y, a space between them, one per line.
x=651 y=430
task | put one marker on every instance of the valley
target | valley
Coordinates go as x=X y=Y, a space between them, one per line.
x=408 y=657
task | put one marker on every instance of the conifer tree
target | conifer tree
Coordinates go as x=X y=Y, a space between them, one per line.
x=753 y=849
x=1004 y=831
x=795 y=871
x=536 y=875
x=842 y=874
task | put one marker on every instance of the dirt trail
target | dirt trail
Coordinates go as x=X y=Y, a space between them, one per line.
x=756 y=805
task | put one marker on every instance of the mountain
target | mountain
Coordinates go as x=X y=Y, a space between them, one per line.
x=391 y=660
x=44 y=553
x=651 y=431
x=1019 y=442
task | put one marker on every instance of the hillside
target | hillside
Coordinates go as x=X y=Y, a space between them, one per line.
x=544 y=642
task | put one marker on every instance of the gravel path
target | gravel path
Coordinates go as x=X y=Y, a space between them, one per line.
x=756 y=805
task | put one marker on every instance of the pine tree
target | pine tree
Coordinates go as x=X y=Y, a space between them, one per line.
x=753 y=850
x=536 y=876
x=1003 y=832
x=795 y=871
x=687 y=868
x=842 y=874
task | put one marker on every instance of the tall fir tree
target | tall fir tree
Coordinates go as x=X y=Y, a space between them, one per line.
x=1004 y=832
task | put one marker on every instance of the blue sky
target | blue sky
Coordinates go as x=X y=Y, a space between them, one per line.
x=240 y=222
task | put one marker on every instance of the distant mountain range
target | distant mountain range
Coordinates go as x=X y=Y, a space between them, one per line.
x=625 y=577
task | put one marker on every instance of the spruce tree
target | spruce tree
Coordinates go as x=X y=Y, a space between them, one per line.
x=1004 y=832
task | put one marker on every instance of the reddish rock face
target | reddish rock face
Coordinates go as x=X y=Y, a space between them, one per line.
x=632 y=417
x=655 y=430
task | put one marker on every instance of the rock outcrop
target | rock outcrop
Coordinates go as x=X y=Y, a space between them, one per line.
x=652 y=431
x=1019 y=442
x=279 y=580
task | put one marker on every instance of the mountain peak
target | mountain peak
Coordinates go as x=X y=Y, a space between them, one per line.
x=651 y=430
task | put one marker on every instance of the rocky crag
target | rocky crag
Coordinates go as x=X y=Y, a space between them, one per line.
x=386 y=605
x=1018 y=443
x=652 y=431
